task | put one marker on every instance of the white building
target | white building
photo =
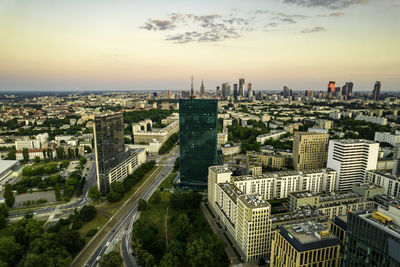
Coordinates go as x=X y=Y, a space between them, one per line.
x=390 y=182
x=386 y=137
x=7 y=171
x=351 y=159
x=275 y=135
x=29 y=144
x=36 y=152
x=373 y=119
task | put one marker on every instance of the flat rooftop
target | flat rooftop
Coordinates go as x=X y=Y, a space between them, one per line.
x=7 y=164
x=392 y=229
x=354 y=141
x=254 y=201
x=309 y=235
x=302 y=212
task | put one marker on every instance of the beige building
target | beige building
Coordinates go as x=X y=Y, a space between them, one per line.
x=305 y=244
x=142 y=135
x=274 y=161
x=310 y=150
x=222 y=138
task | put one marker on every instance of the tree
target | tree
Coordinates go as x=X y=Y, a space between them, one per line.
x=11 y=155
x=32 y=260
x=57 y=192
x=169 y=260
x=118 y=187
x=207 y=252
x=10 y=251
x=112 y=259
x=87 y=213
x=3 y=215
x=25 y=154
x=9 y=196
x=64 y=164
x=37 y=159
x=142 y=205
x=82 y=161
x=183 y=226
x=94 y=193
x=113 y=196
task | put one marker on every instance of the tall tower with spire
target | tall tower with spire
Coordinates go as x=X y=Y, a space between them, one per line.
x=202 y=89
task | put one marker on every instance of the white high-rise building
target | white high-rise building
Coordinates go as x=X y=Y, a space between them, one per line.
x=351 y=159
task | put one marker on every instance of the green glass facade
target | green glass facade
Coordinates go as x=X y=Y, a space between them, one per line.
x=198 y=140
x=369 y=243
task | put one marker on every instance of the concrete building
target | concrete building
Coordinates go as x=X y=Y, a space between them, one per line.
x=29 y=144
x=160 y=134
x=275 y=135
x=8 y=172
x=386 y=137
x=222 y=138
x=325 y=124
x=36 y=152
x=334 y=204
x=390 y=182
x=351 y=159
x=310 y=150
x=268 y=160
x=305 y=244
x=372 y=119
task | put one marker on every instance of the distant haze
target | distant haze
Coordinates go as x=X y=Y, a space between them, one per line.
x=158 y=44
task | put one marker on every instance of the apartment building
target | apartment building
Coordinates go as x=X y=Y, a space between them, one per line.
x=351 y=158
x=274 y=161
x=305 y=244
x=310 y=150
x=390 y=182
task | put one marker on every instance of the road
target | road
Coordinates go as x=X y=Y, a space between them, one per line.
x=120 y=223
x=69 y=207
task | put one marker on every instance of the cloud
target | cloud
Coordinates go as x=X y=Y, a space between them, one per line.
x=337 y=14
x=288 y=18
x=331 y=4
x=158 y=25
x=313 y=29
x=205 y=28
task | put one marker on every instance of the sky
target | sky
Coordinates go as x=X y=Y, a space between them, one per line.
x=158 y=44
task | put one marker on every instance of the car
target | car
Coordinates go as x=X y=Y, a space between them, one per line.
x=108 y=243
x=98 y=258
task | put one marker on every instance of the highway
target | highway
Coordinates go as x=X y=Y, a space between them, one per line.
x=119 y=225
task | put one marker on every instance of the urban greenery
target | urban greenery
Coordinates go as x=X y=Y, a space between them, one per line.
x=169 y=144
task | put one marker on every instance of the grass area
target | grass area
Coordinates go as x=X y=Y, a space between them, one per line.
x=156 y=212
x=168 y=182
x=96 y=223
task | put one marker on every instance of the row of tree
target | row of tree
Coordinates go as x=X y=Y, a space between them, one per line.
x=169 y=144
x=118 y=189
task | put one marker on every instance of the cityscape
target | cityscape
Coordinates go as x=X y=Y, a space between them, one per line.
x=152 y=134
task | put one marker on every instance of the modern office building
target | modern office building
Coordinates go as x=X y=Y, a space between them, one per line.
x=235 y=91
x=241 y=87
x=310 y=150
x=377 y=91
x=347 y=90
x=226 y=90
x=113 y=162
x=351 y=158
x=331 y=88
x=198 y=140
x=249 y=90
x=373 y=238
x=305 y=244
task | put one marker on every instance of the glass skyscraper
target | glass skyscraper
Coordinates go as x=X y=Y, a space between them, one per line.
x=198 y=140
x=109 y=146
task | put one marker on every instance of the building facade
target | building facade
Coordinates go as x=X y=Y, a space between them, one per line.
x=351 y=159
x=310 y=150
x=198 y=140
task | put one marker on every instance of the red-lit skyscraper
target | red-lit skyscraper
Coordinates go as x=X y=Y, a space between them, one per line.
x=331 y=88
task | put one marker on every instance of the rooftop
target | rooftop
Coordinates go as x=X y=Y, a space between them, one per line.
x=254 y=201
x=302 y=212
x=391 y=228
x=354 y=141
x=309 y=235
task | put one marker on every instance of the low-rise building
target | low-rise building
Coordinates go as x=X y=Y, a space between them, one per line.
x=372 y=119
x=391 y=183
x=275 y=135
x=39 y=152
x=257 y=160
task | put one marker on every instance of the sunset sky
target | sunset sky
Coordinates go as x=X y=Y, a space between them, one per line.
x=159 y=44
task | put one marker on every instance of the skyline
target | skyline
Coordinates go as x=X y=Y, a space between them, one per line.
x=61 y=45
